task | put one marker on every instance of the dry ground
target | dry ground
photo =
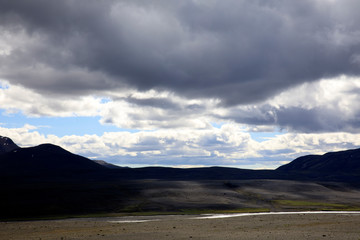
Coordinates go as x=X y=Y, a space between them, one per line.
x=298 y=226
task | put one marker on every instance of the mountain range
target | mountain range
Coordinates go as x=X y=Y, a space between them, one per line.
x=47 y=180
x=48 y=159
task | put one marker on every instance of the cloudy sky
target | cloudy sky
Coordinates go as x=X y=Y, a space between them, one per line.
x=242 y=83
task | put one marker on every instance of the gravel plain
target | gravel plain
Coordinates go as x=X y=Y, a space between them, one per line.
x=279 y=226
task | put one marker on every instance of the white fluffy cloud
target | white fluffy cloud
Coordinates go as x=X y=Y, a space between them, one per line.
x=15 y=98
x=325 y=106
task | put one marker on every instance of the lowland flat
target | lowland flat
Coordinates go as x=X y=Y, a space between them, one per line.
x=26 y=200
x=297 y=226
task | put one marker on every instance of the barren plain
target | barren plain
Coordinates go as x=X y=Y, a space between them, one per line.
x=281 y=226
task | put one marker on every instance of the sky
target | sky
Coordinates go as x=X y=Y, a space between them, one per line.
x=191 y=83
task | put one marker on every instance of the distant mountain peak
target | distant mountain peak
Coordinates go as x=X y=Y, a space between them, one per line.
x=7 y=145
x=44 y=158
x=52 y=148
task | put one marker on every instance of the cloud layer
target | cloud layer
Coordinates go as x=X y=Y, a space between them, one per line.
x=323 y=106
x=235 y=51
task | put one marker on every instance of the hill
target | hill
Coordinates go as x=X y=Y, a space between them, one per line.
x=44 y=159
x=333 y=162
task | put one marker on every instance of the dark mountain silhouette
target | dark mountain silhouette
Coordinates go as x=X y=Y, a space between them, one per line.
x=7 y=145
x=333 y=162
x=45 y=158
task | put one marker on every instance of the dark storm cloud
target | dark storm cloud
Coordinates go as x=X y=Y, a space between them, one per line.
x=166 y=103
x=236 y=51
x=310 y=120
x=298 y=119
x=262 y=115
x=162 y=103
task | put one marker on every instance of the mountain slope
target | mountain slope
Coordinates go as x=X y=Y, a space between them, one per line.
x=7 y=145
x=343 y=161
x=107 y=165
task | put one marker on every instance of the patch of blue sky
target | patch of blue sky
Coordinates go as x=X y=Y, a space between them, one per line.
x=105 y=100
x=60 y=126
x=3 y=85
x=217 y=124
x=264 y=136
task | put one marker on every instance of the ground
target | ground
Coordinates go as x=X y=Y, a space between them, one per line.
x=297 y=226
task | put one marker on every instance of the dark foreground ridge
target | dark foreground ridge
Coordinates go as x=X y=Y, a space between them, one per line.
x=48 y=180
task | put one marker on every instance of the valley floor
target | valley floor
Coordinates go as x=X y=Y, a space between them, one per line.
x=281 y=226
